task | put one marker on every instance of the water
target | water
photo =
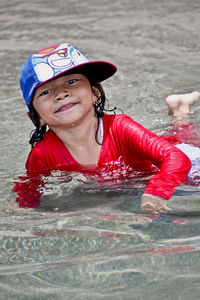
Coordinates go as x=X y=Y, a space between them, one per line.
x=88 y=241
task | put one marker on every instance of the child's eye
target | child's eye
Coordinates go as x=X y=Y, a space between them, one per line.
x=71 y=81
x=45 y=92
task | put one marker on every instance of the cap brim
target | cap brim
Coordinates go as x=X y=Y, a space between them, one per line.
x=96 y=70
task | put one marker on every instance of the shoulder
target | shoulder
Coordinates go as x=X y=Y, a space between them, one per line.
x=49 y=139
x=117 y=119
x=37 y=160
x=120 y=122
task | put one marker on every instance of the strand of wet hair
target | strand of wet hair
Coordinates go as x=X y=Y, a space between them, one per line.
x=113 y=110
x=99 y=115
x=37 y=135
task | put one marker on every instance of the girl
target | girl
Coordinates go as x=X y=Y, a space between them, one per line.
x=62 y=90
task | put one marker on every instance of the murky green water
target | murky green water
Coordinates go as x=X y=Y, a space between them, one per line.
x=91 y=242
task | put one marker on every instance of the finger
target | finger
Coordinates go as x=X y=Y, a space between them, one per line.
x=167 y=208
x=163 y=209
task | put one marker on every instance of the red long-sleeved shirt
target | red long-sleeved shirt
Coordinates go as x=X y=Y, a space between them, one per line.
x=127 y=145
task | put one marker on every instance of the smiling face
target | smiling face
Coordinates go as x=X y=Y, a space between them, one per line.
x=65 y=101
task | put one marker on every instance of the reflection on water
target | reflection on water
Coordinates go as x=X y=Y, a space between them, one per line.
x=99 y=251
x=92 y=241
x=88 y=241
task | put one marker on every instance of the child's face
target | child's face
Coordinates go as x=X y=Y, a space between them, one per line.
x=64 y=101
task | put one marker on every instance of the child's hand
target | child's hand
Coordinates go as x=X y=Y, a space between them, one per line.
x=154 y=204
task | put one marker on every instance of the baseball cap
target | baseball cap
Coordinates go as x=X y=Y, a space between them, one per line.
x=56 y=60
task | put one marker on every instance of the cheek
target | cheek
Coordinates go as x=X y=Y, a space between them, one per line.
x=42 y=111
x=93 y=97
x=37 y=108
x=35 y=104
x=87 y=97
x=40 y=106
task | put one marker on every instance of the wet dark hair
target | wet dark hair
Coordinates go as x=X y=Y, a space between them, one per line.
x=37 y=134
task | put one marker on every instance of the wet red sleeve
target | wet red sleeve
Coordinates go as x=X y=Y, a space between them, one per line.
x=28 y=190
x=174 y=165
x=29 y=187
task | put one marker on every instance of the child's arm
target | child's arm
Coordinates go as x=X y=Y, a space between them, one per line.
x=174 y=165
x=28 y=190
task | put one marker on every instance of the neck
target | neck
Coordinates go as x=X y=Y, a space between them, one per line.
x=80 y=141
x=77 y=134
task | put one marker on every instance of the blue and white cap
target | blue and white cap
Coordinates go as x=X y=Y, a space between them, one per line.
x=57 y=60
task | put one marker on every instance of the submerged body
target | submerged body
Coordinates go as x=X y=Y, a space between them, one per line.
x=127 y=146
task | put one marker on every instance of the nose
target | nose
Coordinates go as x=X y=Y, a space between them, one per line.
x=61 y=95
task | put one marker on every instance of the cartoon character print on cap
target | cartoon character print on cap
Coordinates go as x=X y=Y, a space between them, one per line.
x=56 y=59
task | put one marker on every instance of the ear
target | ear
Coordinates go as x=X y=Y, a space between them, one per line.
x=96 y=91
x=42 y=123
